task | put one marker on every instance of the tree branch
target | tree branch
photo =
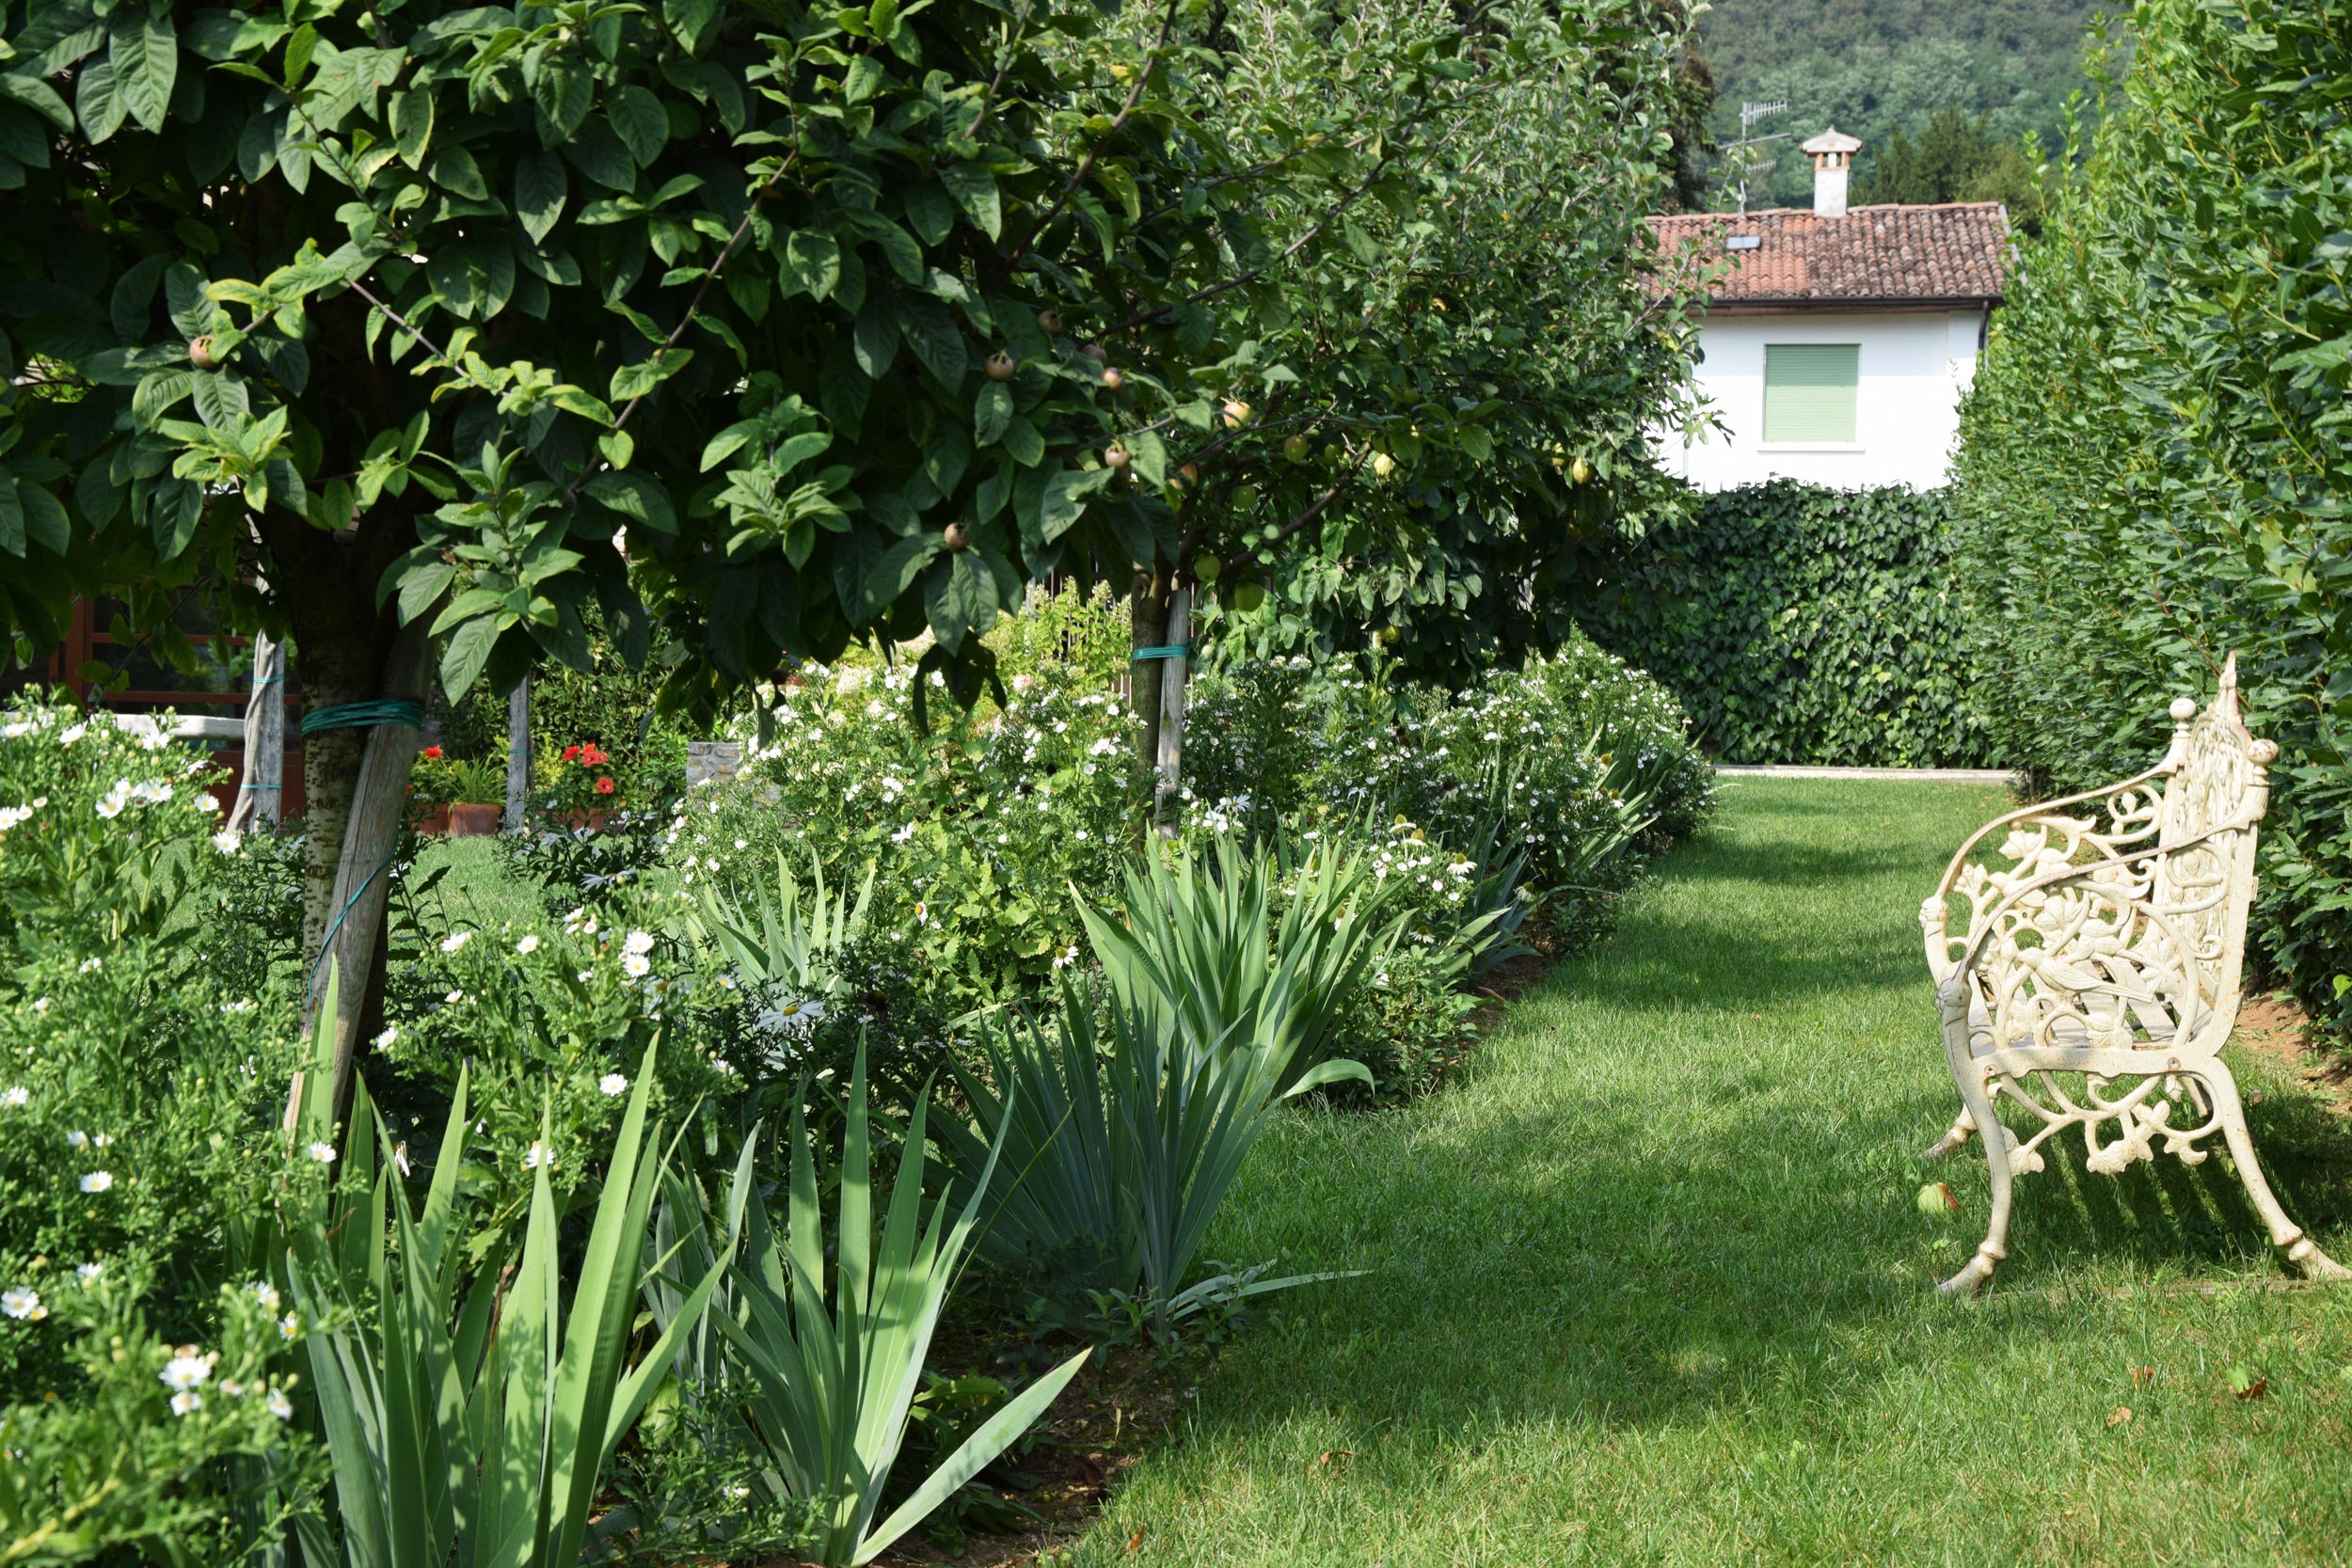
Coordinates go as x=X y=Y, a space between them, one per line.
x=1085 y=164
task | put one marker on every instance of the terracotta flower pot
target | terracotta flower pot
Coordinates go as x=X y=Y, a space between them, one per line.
x=431 y=820
x=470 y=820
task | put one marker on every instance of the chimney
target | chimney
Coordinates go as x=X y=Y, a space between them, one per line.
x=1833 y=153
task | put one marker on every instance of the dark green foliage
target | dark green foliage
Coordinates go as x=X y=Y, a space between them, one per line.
x=1804 y=625
x=2153 y=470
x=1953 y=159
x=1877 y=66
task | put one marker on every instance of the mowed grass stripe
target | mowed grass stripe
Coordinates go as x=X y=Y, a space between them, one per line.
x=1649 y=1284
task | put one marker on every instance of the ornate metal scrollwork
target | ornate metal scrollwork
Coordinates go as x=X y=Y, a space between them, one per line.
x=2100 y=938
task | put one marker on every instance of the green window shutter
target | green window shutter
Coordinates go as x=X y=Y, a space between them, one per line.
x=1809 y=391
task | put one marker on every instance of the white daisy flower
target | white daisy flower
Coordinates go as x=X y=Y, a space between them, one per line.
x=90 y=966
x=98 y=1181
x=384 y=1040
x=613 y=1084
x=639 y=941
x=536 y=1155
x=635 y=965
x=289 y=1325
x=529 y=944
x=264 y=1292
x=228 y=841
x=22 y=1304
x=279 y=1405
x=77 y=1139
x=88 y=1274
x=186 y=1370
x=15 y=1096
x=455 y=939
x=185 y=1402
x=322 y=1152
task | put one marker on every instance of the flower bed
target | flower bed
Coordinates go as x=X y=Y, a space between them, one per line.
x=723 y=1000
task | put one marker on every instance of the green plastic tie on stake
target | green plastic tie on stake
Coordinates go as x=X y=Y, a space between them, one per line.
x=363 y=716
x=328 y=945
x=1174 y=650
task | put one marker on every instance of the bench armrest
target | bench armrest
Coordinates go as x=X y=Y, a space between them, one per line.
x=2041 y=839
x=2083 y=957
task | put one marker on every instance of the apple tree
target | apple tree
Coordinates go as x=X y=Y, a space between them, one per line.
x=427 y=333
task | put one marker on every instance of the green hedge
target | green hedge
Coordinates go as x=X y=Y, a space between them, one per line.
x=1804 y=625
x=2153 y=466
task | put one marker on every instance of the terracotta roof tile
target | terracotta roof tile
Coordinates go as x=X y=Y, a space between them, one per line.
x=1954 y=251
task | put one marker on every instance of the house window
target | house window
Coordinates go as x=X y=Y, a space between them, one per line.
x=1809 y=392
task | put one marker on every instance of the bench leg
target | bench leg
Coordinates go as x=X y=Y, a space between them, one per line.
x=1954 y=1138
x=2284 y=1234
x=1978 y=1269
x=1978 y=1113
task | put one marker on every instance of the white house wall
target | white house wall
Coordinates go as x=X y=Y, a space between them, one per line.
x=1913 y=367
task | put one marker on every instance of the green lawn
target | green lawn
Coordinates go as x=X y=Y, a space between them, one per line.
x=1650 y=1284
x=478 y=891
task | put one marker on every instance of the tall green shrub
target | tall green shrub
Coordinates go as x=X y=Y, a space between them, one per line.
x=2153 y=468
x=1800 y=623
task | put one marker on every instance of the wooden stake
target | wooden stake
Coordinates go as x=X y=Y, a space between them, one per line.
x=364 y=873
x=1173 y=673
x=260 y=794
x=517 y=752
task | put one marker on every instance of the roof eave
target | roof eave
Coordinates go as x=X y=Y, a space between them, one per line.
x=1777 y=303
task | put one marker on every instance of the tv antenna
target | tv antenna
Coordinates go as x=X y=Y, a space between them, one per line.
x=1741 y=161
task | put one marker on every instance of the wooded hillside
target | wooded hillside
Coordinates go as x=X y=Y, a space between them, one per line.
x=1876 y=67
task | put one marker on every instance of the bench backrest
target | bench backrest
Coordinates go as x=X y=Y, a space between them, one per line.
x=2218 y=793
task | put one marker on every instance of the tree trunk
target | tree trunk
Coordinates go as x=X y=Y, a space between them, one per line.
x=260 y=794
x=1174 y=671
x=1147 y=621
x=355 y=781
x=517 y=753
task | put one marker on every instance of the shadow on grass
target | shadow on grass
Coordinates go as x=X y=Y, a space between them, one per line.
x=1592 y=1238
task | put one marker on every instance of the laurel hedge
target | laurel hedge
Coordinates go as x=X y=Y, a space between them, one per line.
x=1800 y=623
x=2153 y=467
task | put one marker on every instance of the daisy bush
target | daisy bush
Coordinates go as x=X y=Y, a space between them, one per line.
x=1566 y=761
x=182 y=1450
x=975 y=830
x=551 y=1024
x=96 y=824
x=133 y=1103
x=1411 y=1020
x=142 y=1084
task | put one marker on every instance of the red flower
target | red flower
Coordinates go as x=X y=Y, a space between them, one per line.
x=431 y=753
x=592 y=757
x=571 y=754
x=603 y=787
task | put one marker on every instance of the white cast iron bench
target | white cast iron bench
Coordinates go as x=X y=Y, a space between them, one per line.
x=2105 y=941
